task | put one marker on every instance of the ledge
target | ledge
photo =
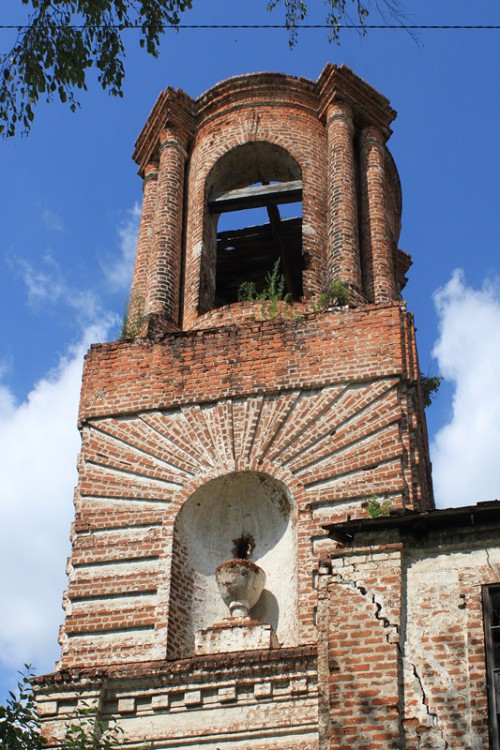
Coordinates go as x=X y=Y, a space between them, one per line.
x=203 y=666
x=419 y=524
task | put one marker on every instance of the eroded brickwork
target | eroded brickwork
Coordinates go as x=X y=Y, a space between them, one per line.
x=406 y=640
x=314 y=130
x=214 y=423
x=248 y=700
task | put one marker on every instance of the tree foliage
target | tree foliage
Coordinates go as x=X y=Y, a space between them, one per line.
x=63 y=39
x=86 y=731
x=430 y=387
x=20 y=726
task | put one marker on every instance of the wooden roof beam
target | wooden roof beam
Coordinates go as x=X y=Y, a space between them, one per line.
x=257 y=196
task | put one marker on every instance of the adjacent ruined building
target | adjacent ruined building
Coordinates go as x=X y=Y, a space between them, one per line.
x=279 y=435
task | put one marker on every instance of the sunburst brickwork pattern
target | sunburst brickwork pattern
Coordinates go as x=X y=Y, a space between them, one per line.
x=199 y=414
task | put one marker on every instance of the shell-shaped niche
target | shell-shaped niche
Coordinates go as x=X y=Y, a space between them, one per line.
x=209 y=530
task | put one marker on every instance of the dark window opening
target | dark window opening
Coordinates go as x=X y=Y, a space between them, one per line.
x=491 y=608
x=255 y=220
x=258 y=226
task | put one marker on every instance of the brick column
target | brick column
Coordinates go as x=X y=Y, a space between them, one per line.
x=343 y=242
x=139 y=289
x=376 y=245
x=165 y=260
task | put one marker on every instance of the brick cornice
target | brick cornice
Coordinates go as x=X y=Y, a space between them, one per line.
x=173 y=110
x=256 y=663
x=265 y=89
x=369 y=107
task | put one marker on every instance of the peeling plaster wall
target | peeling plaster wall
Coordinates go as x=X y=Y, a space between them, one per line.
x=406 y=643
x=364 y=606
x=444 y=667
x=232 y=702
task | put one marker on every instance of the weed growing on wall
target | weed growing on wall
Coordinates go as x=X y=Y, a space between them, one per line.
x=430 y=387
x=272 y=293
x=375 y=507
x=335 y=295
x=133 y=318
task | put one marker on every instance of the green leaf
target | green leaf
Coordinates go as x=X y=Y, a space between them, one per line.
x=53 y=55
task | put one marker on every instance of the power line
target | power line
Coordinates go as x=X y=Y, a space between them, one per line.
x=358 y=27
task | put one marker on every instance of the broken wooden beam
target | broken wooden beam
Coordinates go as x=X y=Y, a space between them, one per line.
x=257 y=196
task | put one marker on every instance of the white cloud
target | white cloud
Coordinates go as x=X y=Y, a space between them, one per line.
x=43 y=284
x=39 y=444
x=46 y=284
x=119 y=271
x=466 y=466
x=52 y=221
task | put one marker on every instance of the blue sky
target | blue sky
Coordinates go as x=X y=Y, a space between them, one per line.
x=69 y=212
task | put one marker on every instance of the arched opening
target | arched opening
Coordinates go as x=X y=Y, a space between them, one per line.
x=210 y=528
x=254 y=222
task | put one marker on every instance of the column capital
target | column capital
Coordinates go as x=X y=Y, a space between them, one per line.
x=172 y=139
x=151 y=172
x=174 y=112
x=340 y=110
x=373 y=135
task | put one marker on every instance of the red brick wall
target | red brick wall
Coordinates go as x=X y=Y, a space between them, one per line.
x=327 y=404
x=320 y=125
x=364 y=627
x=262 y=357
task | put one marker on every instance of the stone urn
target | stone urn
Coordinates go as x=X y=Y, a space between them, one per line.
x=240 y=585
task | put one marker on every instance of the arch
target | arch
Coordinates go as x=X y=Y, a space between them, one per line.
x=250 y=163
x=244 y=234
x=206 y=532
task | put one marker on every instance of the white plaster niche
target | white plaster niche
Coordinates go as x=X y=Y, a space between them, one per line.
x=239 y=514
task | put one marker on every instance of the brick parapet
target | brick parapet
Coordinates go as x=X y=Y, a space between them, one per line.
x=263 y=357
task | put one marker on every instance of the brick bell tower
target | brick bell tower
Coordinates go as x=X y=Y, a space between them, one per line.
x=225 y=430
